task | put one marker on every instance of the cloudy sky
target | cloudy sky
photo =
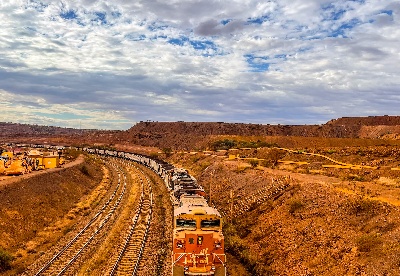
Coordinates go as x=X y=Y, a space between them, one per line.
x=109 y=64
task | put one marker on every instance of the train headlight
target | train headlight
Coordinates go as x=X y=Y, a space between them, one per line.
x=217 y=244
x=180 y=244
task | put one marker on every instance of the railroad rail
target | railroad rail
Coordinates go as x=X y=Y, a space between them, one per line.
x=61 y=262
x=130 y=255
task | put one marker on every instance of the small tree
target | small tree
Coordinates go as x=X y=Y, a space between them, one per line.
x=274 y=155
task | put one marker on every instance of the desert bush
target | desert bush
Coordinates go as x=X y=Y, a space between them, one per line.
x=253 y=163
x=273 y=155
x=354 y=177
x=363 y=206
x=204 y=165
x=71 y=153
x=5 y=260
x=105 y=147
x=85 y=170
x=231 y=143
x=167 y=151
x=195 y=158
x=368 y=242
x=295 y=205
x=255 y=144
x=223 y=144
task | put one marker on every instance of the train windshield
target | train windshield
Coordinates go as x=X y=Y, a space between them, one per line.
x=186 y=223
x=210 y=223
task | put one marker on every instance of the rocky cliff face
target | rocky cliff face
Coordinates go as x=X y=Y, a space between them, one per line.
x=366 y=121
x=192 y=134
x=189 y=135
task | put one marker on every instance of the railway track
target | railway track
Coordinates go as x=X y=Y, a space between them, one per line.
x=62 y=262
x=131 y=252
x=124 y=235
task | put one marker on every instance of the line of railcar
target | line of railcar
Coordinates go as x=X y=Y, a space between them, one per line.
x=198 y=241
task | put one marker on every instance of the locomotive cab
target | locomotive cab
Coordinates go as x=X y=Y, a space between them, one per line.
x=198 y=243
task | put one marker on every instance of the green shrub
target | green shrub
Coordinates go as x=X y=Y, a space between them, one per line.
x=295 y=205
x=223 y=144
x=5 y=260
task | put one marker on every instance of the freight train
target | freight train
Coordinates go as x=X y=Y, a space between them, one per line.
x=198 y=241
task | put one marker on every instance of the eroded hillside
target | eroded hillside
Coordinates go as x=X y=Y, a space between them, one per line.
x=279 y=221
x=196 y=135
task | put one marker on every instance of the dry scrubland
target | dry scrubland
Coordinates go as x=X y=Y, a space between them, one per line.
x=281 y=219
x=305 y=219
x=37 y=211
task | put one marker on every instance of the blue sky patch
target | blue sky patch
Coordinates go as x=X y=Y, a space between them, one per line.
x=258 y=20
x=101 y=17
x=257 y=64
x=207 y=47
x=178 y=41
x=202 y=45
x=331 y=12
x=342 y=29
x=388 y=12
x=68 y=15
x=225 y=21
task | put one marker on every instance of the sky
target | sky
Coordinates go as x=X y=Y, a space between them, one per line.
x=110 y=64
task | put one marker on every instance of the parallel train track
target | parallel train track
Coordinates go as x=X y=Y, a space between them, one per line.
x=128 y=234
x=62 y=262
x=131 y=252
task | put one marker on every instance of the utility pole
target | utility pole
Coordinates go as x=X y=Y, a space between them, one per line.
x=231 y=207
x=210 y=193
x=211 y=180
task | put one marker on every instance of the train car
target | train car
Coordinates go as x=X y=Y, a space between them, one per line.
x=198 y=242
x=182 y=183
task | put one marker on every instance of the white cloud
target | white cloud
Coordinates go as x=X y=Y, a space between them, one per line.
x=242 y=61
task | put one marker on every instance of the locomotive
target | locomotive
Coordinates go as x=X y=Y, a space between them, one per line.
x=198 y=241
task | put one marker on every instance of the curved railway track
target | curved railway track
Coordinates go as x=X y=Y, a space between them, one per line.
x=63 y=261
x=131 y=252
x=125 y=234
